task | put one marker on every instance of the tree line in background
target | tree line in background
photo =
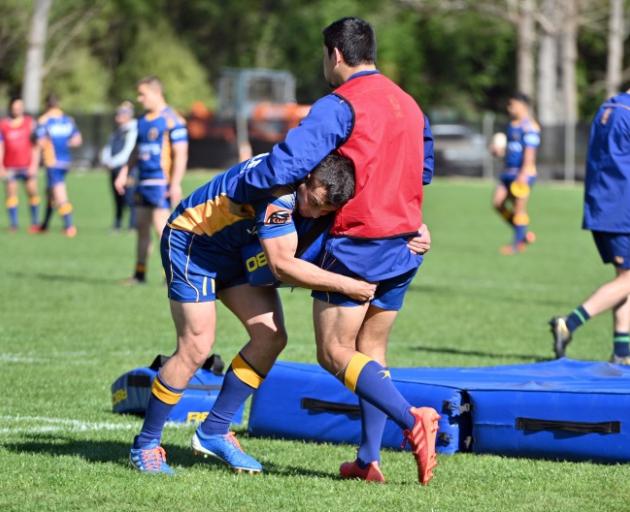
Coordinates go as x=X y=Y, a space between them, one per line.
x=464 y=56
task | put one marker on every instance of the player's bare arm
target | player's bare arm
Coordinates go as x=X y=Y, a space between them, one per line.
x=280 y=253
x=180 y=158
x=529 y=164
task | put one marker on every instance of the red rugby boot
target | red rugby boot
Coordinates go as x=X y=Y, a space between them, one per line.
x=422 y=440
x=371 y=473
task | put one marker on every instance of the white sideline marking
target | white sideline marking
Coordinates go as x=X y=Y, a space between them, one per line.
x=19 y=358
x=66 y=425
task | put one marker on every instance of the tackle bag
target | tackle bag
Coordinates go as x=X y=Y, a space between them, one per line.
x=132 y=390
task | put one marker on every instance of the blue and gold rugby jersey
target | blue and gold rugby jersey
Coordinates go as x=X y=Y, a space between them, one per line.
x=220 y=209
x=54 y=130
x=523 y=135
x=157 y=134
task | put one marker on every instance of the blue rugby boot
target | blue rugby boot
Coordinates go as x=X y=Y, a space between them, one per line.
x=226 y=448
x=150 y=459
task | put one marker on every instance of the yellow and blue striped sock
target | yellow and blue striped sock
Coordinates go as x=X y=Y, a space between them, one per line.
x=373 y=383
x=239 y=383
x=12 y=209
x=163 y=399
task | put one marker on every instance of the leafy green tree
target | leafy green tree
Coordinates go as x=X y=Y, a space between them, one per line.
x=158 y=51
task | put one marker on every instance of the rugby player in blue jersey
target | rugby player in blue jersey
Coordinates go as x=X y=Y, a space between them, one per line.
x=161 y=154
x=202 y=249
x=56 y=135
x=383 y=131
x=512 y=193
x=607 y=216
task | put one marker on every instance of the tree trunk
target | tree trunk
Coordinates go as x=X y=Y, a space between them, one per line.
x=616 y=37
x=525 y=51
x=548 y=66
x=569 y=84
x=33 y=69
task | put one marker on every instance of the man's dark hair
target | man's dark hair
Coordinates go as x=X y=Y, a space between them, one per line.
x=354 y=38
x=52 y=100
x=336 y=174
x=521 y=96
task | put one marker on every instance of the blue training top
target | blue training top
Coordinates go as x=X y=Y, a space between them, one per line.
x=607 y=185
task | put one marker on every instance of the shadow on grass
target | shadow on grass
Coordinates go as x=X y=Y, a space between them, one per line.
x=480 y=353
x=99 y=451
x=62 y=278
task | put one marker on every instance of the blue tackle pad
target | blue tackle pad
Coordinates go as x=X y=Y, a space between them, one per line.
x=563 y=409
x=132 y=390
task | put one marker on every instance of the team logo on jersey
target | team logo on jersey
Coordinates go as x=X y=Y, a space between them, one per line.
x=277 y=215
x=619 y=260
x=153 y=133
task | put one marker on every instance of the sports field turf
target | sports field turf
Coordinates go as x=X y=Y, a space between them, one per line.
x=67 y=330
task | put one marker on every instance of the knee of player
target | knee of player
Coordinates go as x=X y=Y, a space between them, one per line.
x=193 y=353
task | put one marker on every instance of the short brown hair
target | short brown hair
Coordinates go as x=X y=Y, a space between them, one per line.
x=153 y=81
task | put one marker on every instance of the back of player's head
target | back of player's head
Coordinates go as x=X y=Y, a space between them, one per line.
x=522 y=97
x=152 y=81
x=336 y=174
x=52 y=100
x=354 y=38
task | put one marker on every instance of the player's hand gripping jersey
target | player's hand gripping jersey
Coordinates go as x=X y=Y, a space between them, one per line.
x=54 y=131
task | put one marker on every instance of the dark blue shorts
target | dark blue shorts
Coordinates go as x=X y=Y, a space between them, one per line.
x=197 y=267
x=390 y=293
x=152 y=196
x=508 y=177
x=55 y=175
x=613 y=248
x=17 y=174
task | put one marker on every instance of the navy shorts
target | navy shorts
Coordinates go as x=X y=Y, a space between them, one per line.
x=152 y=196
x=613 y=248
x=389 y=295
x=508 y=177
x=55 y=175
x=17 y=174
x=197 y=267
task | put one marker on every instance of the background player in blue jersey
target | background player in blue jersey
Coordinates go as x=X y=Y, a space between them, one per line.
x=607 y=216
x=515 y=183
x=56 y=135
x=201 y=254
x=161 y=154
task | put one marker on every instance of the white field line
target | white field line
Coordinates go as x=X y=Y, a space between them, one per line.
x=23 y=425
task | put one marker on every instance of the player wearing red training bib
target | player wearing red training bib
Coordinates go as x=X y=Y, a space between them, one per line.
x=18 y=161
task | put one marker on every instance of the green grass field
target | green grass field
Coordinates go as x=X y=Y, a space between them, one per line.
x=67 y=330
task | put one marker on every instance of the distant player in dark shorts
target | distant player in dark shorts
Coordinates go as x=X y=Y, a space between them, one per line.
x=160 y=156
x=19 y=159
x=607 y=216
